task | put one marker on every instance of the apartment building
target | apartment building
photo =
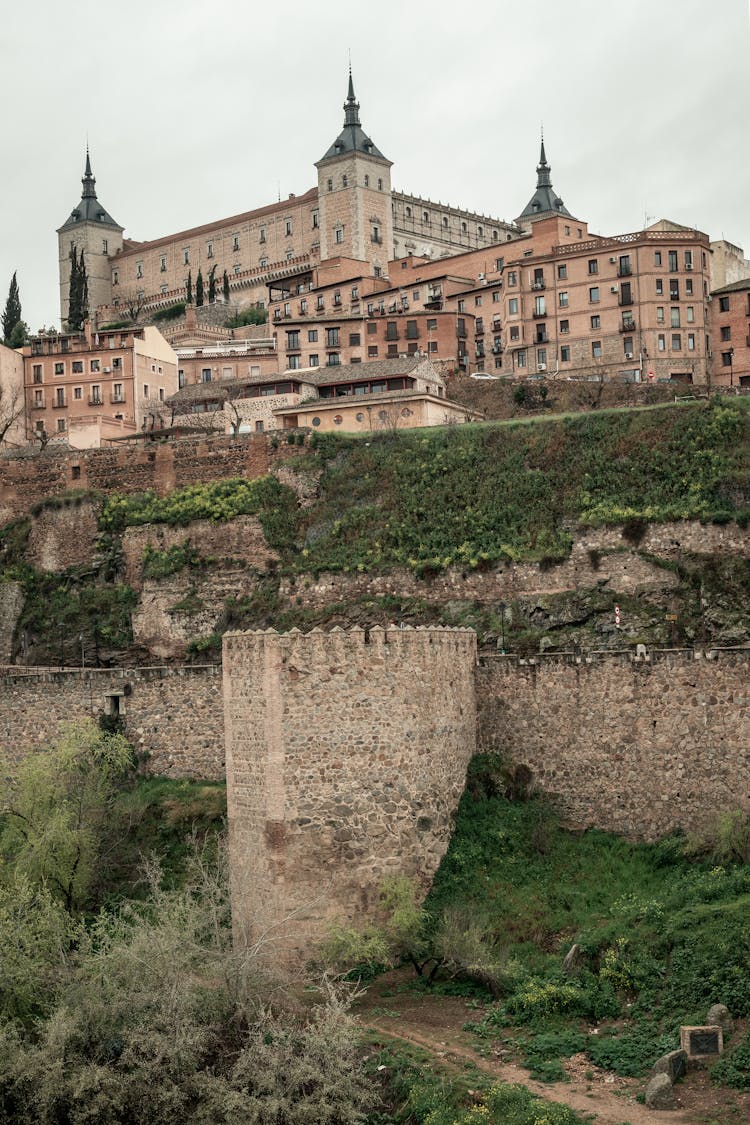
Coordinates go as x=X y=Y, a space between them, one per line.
x=730 y=334
x=84 y=388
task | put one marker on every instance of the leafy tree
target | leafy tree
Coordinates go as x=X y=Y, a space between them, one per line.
x=189 y=288
x=56 y=808
x=199 y=288
x=12 y=312
x=225 y=287
x=78 y=299
x=20 y=335
x=212 y=285
x=247 y=316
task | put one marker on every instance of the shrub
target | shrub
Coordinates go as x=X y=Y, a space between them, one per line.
x=171 y=312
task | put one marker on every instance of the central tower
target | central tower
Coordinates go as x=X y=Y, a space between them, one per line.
x=354 y=195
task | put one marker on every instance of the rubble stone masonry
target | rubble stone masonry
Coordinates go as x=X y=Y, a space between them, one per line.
x=346 y=759
x=639 y=747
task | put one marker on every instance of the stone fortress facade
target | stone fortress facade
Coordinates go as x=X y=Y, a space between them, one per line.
x=351 y=212
x=346 y=752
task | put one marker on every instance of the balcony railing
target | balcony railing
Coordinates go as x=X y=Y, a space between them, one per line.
x=628 y=326
x=624 y=271
x=116 y=398
x=539 y=315
x=95 y=400
x=626 y=299
x=539 y=283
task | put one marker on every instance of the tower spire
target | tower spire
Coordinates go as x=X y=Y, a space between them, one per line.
x=88 y=181
x=543 y=170
x=351 y=105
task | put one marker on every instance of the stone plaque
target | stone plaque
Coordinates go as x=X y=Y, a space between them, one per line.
x=701 y=1042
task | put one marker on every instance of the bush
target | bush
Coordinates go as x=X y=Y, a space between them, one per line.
x=171 y=312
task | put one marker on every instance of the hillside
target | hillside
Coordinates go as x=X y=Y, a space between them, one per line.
x=529 y=530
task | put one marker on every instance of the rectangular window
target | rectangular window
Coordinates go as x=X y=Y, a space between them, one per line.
x=145 y=390
x=564 y=326
x=139 y=269
x=674 y=289
x=431 y=325
x=688 y=259
x=78 y=393
x=95 y=396
x=512 y=278
x=206 y=375
x=288 y=226
x=294 y=362
x=292 y=341
x=312 y=335
x=565 y=353
x=660 y=314
x=690 y=314
x=691 y=341
x=674 y=318
x=372 y=351
x=723 y=304
x=235 y=242
x=515 y=332
x=521 y=359
x=95 y=366
x=262 y=234
x=334 y=359
x=596 y=349
x=513 y=306
x=673 y=261
x=180 y=378
x=726 y=358
x=117 y=395
x=61 y=425
x=315 y=220
x=478 y=302
x=313 y=361
x=661 y=342
x=688 y=286
x=657 y=257
x=354 y=340
x=539 y=307
x=659 y=287
x=562 y=272
x=593 y=265
x=726 y=332
x=623 y=268
x=676 y=342
x=412 y=330
x=38 y=372
x=186 y=256
x=60 y=396
x=627 y=345
x=59 y=369
x=319 y=303
x=332 y=337
x=594 y=294
x=596 y=322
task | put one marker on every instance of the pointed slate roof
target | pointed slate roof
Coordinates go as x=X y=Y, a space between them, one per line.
x=89 y=210
x=352 y=137
x=545 y=200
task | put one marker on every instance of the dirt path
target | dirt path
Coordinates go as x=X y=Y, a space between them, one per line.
x=435 y=1023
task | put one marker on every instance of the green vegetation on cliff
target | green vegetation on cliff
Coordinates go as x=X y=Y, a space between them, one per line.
x=473 y=495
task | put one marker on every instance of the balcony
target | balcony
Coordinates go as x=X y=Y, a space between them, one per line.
x=497 y=350
x=116 y=398
x=392 y=334
x=541 y=338
x=624 y=271
x=95 y=400
x=37 y=406
x=628 y=326
x=539 y=283
x=539 y=315
x=626 y=299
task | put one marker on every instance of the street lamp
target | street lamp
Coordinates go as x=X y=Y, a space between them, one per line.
x=731 y=367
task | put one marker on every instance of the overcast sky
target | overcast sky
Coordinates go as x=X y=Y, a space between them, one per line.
x=195 y=111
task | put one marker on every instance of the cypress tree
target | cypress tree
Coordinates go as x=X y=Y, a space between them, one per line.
x=189 y=288
x=78 y=300
x=199 y=288
x=225 y=288
x=12 y=313
x=212 y=285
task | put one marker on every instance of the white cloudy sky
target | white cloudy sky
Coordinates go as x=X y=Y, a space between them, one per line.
x=197 y=110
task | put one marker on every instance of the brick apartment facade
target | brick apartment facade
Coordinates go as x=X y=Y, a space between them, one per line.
x=84 y=388
x=730 y=334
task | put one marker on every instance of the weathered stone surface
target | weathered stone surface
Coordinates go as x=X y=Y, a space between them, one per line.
x=574 y=959
x=346 y=758
x=63 y=537
x=639 y=748
x=11 y=605
x=241 y=538
x=673 y=1064
x=172 y=715
x=719 y=1016
x=660 y=1093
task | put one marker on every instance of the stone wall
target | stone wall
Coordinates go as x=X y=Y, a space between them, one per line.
x=27 y=478
x=174 y=716
x=11 y=605
x=639 y=747
x=346 y=758
x=238 y=539
x=63 y=537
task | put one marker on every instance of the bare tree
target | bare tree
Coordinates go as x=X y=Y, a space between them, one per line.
x=157 y=414
x=11 y=407
x=133 y=301
x=234 y=416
